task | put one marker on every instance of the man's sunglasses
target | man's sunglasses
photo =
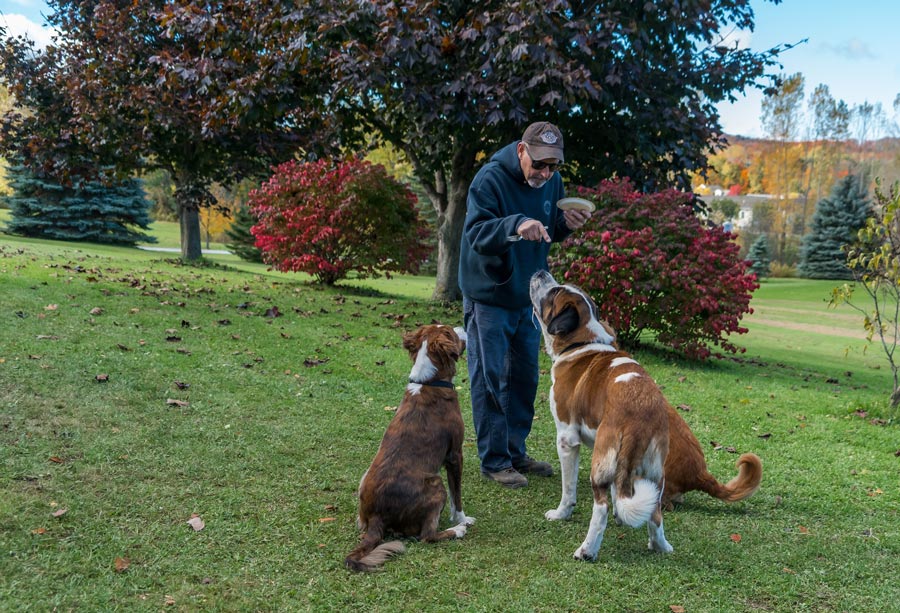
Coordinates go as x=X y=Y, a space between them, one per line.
x=539 y=165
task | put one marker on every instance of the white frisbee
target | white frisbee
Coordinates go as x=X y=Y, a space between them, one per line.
x=568 y=204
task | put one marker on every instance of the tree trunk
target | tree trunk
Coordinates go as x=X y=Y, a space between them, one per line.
x=189 y=218
x=450 y=228
x=189 y=198
x=446 y=288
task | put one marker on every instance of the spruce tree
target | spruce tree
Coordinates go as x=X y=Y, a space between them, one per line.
x=242 y=243
x=91 y=212
x=837 y=219
x=759 y=256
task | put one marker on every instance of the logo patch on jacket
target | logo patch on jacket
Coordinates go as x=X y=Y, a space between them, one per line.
x=547 y=207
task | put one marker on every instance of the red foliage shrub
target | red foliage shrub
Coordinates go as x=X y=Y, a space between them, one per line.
x=327 y=219
x=651 y=264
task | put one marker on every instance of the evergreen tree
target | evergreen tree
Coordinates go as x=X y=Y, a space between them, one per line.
x=759 y=256
x=242 y=243
x=837 y=219
x=91 y=212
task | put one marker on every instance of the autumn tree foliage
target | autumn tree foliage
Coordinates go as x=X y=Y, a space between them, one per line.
x=328 y=219
x=207 y=91
x=835 y=224
x=653 y=266
x=632 y=85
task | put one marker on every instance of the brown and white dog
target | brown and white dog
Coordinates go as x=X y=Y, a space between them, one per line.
x=402 y=492
x=601 y=395
x=578 y=415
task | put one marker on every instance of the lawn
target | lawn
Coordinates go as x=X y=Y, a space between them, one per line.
x=136 y=392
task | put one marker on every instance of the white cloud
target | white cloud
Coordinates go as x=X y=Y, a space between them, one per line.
x=853 y=49
x=19 y=25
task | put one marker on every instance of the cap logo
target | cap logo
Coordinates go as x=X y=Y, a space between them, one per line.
x=549 y=137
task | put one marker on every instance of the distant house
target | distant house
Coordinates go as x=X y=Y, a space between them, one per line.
x=745 y=202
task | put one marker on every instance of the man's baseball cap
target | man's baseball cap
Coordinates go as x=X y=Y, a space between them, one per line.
x=544 y=141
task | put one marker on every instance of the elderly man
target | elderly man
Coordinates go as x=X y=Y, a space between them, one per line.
x=511 y=220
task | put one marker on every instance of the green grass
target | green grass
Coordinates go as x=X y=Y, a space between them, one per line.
x=284 y=414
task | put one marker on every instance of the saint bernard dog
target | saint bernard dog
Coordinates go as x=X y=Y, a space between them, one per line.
x=402 y=492
x=644 y=454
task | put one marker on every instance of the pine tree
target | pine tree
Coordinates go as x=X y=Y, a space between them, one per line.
x=759 y=255
x=91 y=212
x=242 y=243
x=837 y=219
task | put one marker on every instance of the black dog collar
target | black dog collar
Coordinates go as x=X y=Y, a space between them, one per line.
x=576 y=346
x=446 y=384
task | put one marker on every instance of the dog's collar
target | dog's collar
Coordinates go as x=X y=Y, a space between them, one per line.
x=576 y=346
x=447 y=384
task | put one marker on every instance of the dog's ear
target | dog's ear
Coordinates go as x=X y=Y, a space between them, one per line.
x=412 y=341
x=564 y=322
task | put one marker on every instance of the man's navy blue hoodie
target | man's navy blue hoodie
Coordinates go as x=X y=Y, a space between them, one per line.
x=492 y=269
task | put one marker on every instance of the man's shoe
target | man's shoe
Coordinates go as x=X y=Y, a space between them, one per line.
x=508 y=477
x=529 y=465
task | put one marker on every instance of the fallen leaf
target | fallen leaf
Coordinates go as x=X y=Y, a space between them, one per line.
x=59 y=512
x=735 y=538
x=330 y=507
x=39 y=531
x=96 y=311
x=121 y=564
x=803 y=529
x=684 y=407
x=56 y=459
x=177 y=403
x=874 y=492
x=273 y=312
x=676 y=608
x=47 y=337
x=196 y=523
x=122 y=347
x=325 y=520
x=51 y=307
x=169 y=601
x=101 y=378
x=788 y=570
x=766 y=435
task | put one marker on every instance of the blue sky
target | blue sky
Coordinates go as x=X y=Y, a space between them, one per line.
x=853 y=48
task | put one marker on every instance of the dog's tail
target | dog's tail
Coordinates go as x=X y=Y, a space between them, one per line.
x=371 y=552
x=635 y=511
x=742 y=486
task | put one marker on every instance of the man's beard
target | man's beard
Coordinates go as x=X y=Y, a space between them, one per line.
x=537 y=183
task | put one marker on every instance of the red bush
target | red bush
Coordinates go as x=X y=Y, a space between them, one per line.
x=651 y=264
x=327 y=219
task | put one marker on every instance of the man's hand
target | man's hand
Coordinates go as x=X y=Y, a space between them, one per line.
x=533 y=230
x=575 y=218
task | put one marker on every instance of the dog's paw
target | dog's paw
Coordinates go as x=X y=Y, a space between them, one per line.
x=461 y=518
x=558 y=514
x=459 y=530
x=662 y=547
x=582 y=554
